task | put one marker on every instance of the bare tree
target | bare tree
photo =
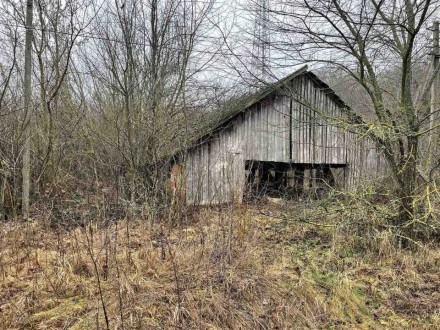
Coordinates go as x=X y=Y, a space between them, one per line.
x=60 y=23
x=140 y=65
x=26 y=172
x=8 y=104
x=367 y=40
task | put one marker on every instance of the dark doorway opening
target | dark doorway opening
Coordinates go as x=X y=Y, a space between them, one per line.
x=291 y=180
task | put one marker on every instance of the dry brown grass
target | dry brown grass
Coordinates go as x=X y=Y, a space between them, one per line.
x=234 y=269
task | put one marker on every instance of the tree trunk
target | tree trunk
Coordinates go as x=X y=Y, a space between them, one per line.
x=407 y=181
x=2 y=195
x=26 y=170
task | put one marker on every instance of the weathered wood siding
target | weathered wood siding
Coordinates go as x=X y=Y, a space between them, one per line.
x=314 y=139
x=292 y=127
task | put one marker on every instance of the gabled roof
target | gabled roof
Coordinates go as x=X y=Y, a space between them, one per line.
x=236 y=106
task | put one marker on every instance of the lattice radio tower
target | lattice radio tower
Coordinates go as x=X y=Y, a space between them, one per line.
x=261 y=42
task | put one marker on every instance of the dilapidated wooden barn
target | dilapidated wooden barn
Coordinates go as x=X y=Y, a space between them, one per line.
x=285 y=140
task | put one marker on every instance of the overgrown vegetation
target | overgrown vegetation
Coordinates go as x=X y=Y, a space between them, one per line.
x=227 y=268
x=94 y=236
